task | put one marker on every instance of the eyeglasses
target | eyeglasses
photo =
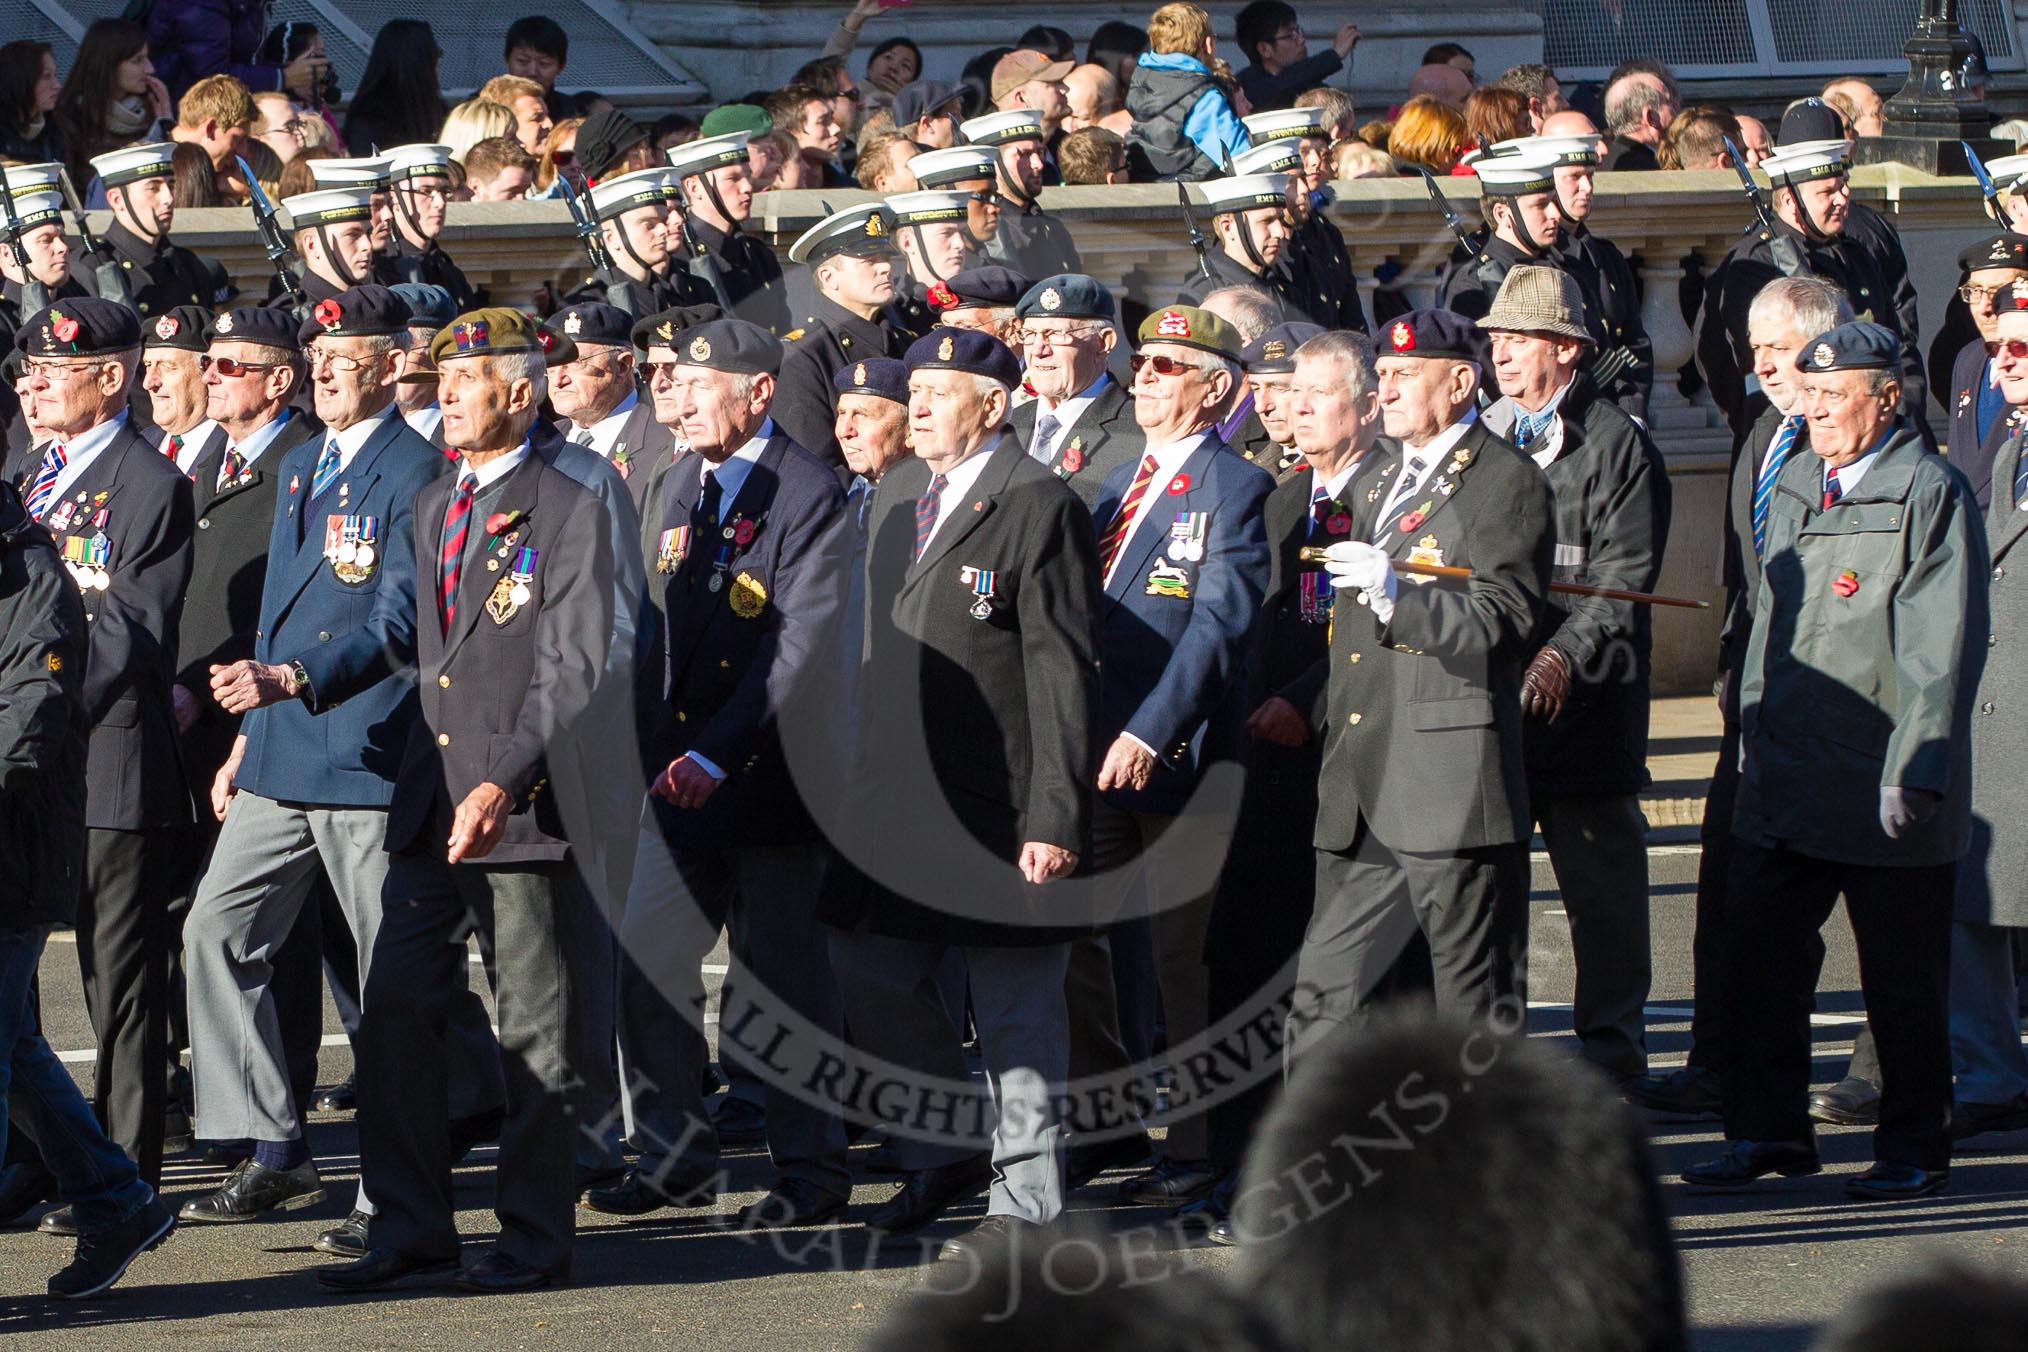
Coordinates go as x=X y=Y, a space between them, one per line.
x=1164 y=366
x=1972 y=295
x=2017 y=348
x=1290 y=35
x=986 y=196
x=231 y=369
x=337 y=361
x=57 y=370
x=1031 y=337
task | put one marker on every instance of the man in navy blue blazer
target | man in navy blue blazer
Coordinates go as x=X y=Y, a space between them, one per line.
x=1184 y=563
x=329 y=696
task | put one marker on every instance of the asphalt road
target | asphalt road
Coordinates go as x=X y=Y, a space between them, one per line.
x=1763 y=1270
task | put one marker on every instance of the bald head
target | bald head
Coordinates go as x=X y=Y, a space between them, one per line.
x=1091 y=92
x=1445 y=83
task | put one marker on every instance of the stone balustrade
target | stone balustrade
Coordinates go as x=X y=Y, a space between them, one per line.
x=1133 y=238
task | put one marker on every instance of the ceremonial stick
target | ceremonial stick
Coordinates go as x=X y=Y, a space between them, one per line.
x=1315 y=554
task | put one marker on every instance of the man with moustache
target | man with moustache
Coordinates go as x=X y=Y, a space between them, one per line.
x=1081 y=422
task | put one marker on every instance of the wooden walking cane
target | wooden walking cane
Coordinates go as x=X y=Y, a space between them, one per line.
x=1315 y=554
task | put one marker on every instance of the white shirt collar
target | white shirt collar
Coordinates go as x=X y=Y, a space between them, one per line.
x=1066 y=414
x=1436 y=449
x=260 y=438
x=425 y=421
x=494 y=470
x=732 y=471
x=193 y=443
x=353 y=439
x=605 y=433
x=1850 y=475
x=1335 y=485
x=1169 y=460
x=79 y=451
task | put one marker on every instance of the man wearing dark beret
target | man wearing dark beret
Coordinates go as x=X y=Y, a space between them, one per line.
x=121 y=517
x=1422 y=820
x=976 y=755
x=1270 y=365
x=751 y=564
x=1857 y=708
x=173 y=345
x=430 y=310
x=597 y=396
x=1970 y=389
x=981 y=298
x=1081 y=421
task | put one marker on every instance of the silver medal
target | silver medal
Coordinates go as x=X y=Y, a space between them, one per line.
x=519 y=593
x=348 y=552
x=364 y=556
x=717 y=581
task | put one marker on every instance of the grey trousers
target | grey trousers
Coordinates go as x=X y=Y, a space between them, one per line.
x=674 y=910
x=895 y=1003
x=1472 y=907
x=262 y=874
x=1986 y=1050
x=1598 y=846
x=520 y=914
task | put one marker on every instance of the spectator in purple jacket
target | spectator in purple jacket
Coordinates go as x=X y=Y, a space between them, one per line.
x=191 y=39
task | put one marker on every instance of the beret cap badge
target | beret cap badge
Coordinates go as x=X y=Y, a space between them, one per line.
x=167 y=325
x=1173 y=324
x=859 y=374
x=469 y=335
x=944 y=350
x=666 y=330
x=573 y=324
x=1402 y=336
x=1051 y=299
x=700 y=349
x=224 y=324
x=1822 y=354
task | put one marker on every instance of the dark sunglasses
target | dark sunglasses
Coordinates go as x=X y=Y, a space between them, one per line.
x=563 y=157
x=1164 y=366
x=986 y=196
x=2017 y=348
x=231 y=369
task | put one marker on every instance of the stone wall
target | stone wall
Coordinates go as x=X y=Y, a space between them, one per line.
x=1133 y=239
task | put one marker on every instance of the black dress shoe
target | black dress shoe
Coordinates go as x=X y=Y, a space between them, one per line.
x=1896 y=1183
x=1213 y=1208
x=24 y=1187
x=925 y=1193
x=1170 y=1183
x=58 y=1222
x=978 y=1243
x=740 y=1122
x=1973 y=1119
x=1852 y=1102
x=1689 y=1092
x=638 y=1194
x=1083 y=1163
x=387 y=1270
x=253 y=1190
x=791 y=1203
x=339 y=1098
x=347 y=1239
x=1745 y=1161
x=879 y=1159
x=1223 y=1232
x=102 y=1258
x=498 y=1272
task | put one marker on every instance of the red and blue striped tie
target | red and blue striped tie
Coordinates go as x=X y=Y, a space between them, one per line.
x=44 y=487
x=451 y=558
x=926 y=513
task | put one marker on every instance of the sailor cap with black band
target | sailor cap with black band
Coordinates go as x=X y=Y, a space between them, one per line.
x=1516 y=173
x=418 y=161
x=1807 y=161
x=29 y=177
x=618 y=196
x=328 y=206
x=1003 y=128
x=1562 y=150
x=1284 y=124
x=704 y=155
x=954 y=164
x=365 y=172
x=1244 y=192
x=33 y=210
x=1269 y=157
x=865 y=230
x=131 y=164
x=2009 y=173
x=926 y=208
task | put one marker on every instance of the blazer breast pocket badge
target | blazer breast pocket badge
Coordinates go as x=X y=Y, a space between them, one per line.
x=1167 y=580
x=1426 y=551
x=749 y=598
x=515 y=590
x=981 y=581
x=351 y=546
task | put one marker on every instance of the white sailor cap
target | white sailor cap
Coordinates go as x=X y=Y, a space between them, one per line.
x=999 y=129
x=707 y=153
x=1807 y=160
x=418 y=161
x=1243 y=192
x=1562 y=150
x=925 y=208
x=623 y=193
x=367 y=172
x=1269 y=157
x=956 y=164
x=1528 y=168
x=1284 y=124
x=2009 y=173
x=865 y=230
x=131 y=164
x=28 y=177
x=329 y=206
x=33 y=210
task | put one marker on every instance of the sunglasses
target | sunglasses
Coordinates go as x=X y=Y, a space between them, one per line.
x=2017 y=348
x=1164 y=366
x=231 y=369
x=986 y=196
x=563 y=157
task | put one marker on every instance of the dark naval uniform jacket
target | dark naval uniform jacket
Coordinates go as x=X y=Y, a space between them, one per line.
x=427 y=264
x=1033 y=243
x=162 y=274
x=1277 y=284
x=806 y=402
x=751 y=272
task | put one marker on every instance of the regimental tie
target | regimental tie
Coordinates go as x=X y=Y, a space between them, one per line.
x=1046 y=428
x=451 y=557
x=926 y=508
x=1321 y=508
x=1831 y=490
x=1115 y=538
x=234 y=466
x=172 y=446
x=43 y=489
x=1763 y=486
x=1410 y=480
x=709 y=501
x=583 y=437
x=327 y=468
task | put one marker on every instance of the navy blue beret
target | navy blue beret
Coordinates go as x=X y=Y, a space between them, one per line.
x=1431 y=333
x=965 y=350
x=660 y=329
x=593 y=322
x=429 y=307
x=881 y=377
x=180 y=326
x=364 y=311
x=1274 y=352
x=991 y=285
x=1857 y=345
x=267 y=325
x=83 y=326
x=1068 y=295
x=735 y=345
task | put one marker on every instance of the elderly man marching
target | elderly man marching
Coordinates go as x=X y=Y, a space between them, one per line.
x=1869 y=637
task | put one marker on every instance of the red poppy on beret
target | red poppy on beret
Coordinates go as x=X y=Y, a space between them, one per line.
x=328 y=313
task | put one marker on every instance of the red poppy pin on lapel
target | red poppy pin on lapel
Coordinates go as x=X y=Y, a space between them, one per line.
x=1846 y=583
x=1338 y=524
x=1179 y=485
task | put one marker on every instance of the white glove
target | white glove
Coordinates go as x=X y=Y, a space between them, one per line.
x=1360 y=567
x=1902 y=808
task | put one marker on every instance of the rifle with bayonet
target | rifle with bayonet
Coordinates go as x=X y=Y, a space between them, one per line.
x=1196 y=235
x=10 y=231
x=112 y=282
x=633 y=297
x=1986 y=186
x=273 y=240
x=1473 y=247
x=1786 y=254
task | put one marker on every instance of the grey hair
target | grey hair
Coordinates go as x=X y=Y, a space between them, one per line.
x=1246 y=308
x=1628 y=103
x=1813 y=304
x=528 y=366
x=1351 y=350
x=1879 y=380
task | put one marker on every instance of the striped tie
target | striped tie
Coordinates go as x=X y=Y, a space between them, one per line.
x=451 y=558
x=1831 y=490
x=1404 y=488
x=926 y=513
x=1763 y=487
x=327 y=469
x=44 y=487
x=1115 y=538
x=173 y=446
x=235 y=465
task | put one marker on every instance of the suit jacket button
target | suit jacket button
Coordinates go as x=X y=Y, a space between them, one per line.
x=443 y=739
x=1355 y=659
x=204 y=523
x=1355 y=719
x=444 y=682
x=323 y=636
x=682 y=717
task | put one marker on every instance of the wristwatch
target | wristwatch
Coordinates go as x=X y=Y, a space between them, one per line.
x=299 y=681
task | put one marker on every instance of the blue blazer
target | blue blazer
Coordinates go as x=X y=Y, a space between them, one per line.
x=342 y=746
x=1174 y=659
